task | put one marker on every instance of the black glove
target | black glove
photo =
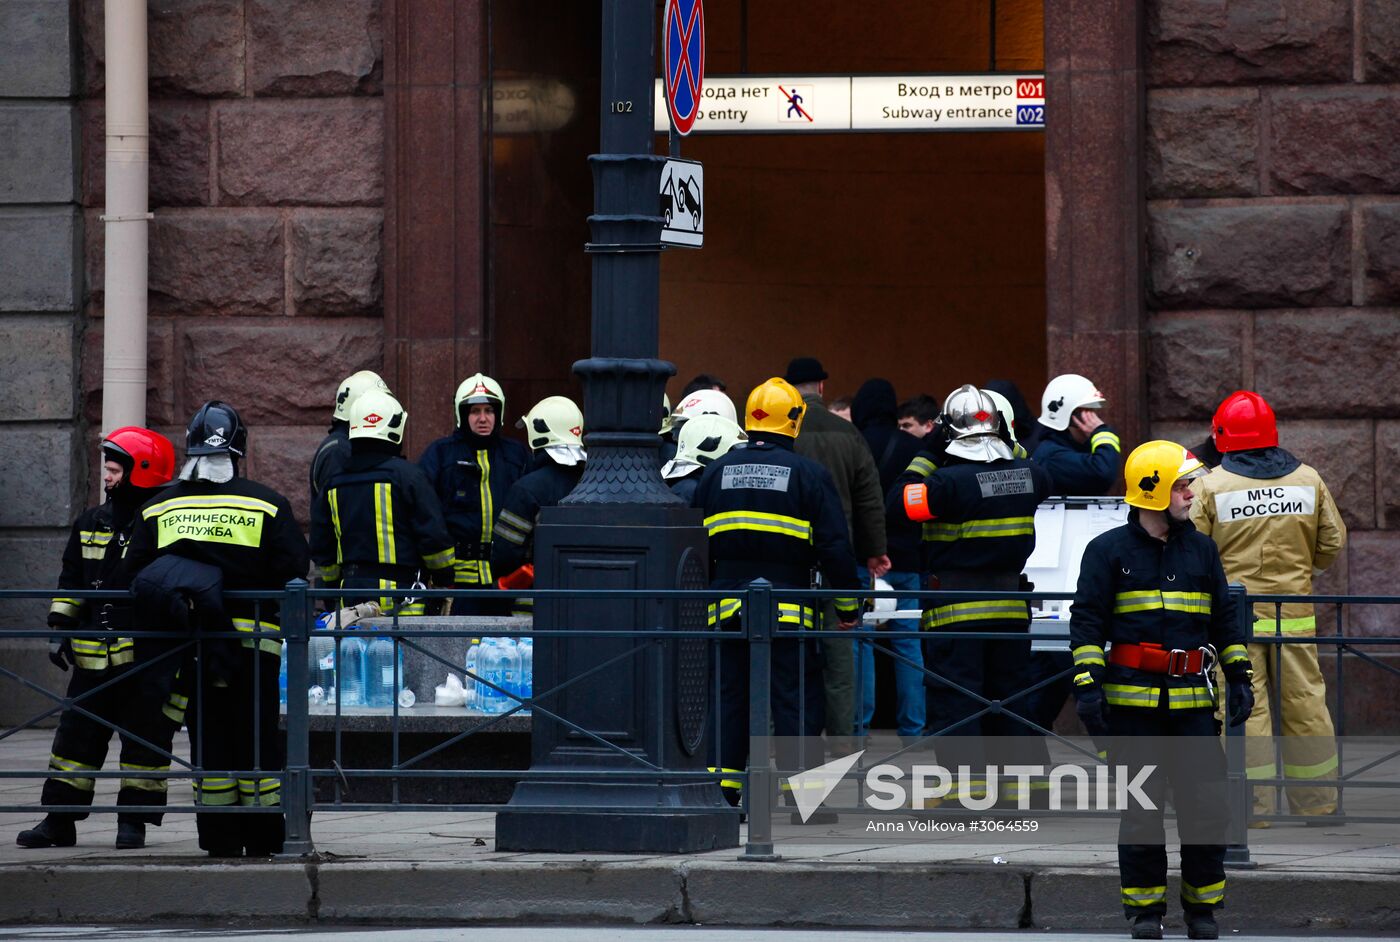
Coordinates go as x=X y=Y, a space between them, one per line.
x=1092 y=709
x=443 y=578
x=1240 y=701
x=61 y=654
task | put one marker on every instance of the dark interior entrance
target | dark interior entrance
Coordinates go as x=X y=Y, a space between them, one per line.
x=919 y=257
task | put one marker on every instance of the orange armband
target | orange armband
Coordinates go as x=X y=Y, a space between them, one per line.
x=916 y=502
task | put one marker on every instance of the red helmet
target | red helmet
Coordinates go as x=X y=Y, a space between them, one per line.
x=1244 y=421
x=151 y=454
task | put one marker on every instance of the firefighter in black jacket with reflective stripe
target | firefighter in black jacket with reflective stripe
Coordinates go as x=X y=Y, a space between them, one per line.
x=978 y=513
x=773 y=514
x=554 y=429
x=378 y=524
x=136 y=462
x=472 y=470
x=1153 y=593
x=334 y=449
x=246 y=530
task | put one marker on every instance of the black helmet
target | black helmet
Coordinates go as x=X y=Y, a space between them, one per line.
x=216 y=429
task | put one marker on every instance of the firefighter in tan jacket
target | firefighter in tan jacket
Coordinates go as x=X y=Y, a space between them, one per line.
x=1277 y=526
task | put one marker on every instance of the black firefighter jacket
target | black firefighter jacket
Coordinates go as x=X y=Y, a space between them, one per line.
x=379 y=515
x=774 y=514
x=92 y=559
x=981 y=534
x=513 y=542
x=244 y=529
x=1136 y=589
x=471 y=475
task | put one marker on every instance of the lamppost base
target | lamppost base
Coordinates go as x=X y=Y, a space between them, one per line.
x=689 y=818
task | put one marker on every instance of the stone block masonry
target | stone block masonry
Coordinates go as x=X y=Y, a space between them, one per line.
x=1274 y=240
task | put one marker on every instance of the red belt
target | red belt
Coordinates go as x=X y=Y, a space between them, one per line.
x=1155 y=659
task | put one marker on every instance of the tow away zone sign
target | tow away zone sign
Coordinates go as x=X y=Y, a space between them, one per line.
x=683 y=203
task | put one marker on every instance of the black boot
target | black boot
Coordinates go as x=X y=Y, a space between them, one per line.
x=131 y=835
x=53 y=831
x=1201 y=925
x=1147 y=926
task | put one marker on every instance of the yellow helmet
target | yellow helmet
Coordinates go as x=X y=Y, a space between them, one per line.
x=353 y=387
x=1153 y=468
x=480 y=388
x=775 y=406
x=378 y=415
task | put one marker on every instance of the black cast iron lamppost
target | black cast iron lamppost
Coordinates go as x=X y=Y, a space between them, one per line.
x=622 y=528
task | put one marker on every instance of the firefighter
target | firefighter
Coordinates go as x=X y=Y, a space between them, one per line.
x=214 y=516
x=554 y=430
x=378 y=524
x=702 y=440
x=773 y=514
x=1080 y=451
x=1154 y=590
x=334 y=449
x=977 y=507
x=136 y=463
x=471 y=471
x=1276 y=526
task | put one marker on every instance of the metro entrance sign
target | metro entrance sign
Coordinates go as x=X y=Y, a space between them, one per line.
x=827 y=104
x=684 y=29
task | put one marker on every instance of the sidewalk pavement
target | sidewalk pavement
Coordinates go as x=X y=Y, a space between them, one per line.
x=416 y=867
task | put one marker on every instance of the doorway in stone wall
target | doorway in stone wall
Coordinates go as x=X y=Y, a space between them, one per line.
x=918 y=257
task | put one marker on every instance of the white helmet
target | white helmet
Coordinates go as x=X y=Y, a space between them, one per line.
x=665 y=415
x=1008 y=414
x=707 y=437
x=480 y=388
x=554 y=420
x=972 y=418
x=883 y=610
x=1063 y=395
x=378 y=415
x=353 y=387
x=704 y=402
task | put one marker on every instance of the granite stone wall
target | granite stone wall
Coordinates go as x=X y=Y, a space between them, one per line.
x=1273 y=184
x=41 y=478
x=267 y=184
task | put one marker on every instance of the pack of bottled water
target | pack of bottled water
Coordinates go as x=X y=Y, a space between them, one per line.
x=502 y=670
x=370 y=671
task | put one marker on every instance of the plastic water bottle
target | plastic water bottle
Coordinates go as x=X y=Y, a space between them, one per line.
x=527 y=670
x=510 y=673
x=380 y=682
x=472 y=663
x=321 y=651
x=352 y=672
x=282 y=678
x=492 y=668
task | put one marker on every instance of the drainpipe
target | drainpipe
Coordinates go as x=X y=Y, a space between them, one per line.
x=126 y=218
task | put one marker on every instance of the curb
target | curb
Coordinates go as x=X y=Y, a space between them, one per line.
x=670 y=891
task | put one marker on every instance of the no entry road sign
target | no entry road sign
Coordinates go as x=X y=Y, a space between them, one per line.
x=684 y=29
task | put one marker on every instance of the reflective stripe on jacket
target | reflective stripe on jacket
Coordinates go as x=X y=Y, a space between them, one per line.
x=774 y=514
x=1272 y=532
x=1136 y=589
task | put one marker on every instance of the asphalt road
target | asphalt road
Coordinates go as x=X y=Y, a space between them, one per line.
x=583 y=934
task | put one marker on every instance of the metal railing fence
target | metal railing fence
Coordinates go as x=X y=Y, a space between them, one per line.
x=758 y=628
